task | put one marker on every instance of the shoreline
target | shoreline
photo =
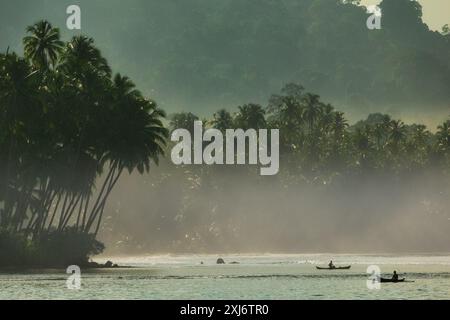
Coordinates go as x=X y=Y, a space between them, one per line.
x=89 y=266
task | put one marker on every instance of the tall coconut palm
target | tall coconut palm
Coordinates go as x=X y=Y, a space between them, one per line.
x=82 y=58
x=19 y=115
x=42 y=45
x=134 y=137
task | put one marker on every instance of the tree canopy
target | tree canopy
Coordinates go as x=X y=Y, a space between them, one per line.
x=68 y=129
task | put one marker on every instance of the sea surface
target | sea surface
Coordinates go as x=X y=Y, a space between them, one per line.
x=291 y=277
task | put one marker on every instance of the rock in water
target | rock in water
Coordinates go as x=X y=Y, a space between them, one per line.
x=220 y=261
x=109 y=264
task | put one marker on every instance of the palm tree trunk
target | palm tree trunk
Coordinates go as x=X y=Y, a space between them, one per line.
x=111 y=187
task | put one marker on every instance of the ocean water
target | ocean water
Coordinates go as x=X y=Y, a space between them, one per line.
x=291 y=277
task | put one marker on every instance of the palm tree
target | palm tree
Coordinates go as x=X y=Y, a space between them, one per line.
x=397 y=131
x=420 y=135
x=285 y=113
x=183 y=120
x=222 y=120
x=138 y=138
x=60 y=133
x=251 y=116
x=43 y=45
x=20 y=111
x=82 y=59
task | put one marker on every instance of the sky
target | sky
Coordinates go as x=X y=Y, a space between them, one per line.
x=435 y=12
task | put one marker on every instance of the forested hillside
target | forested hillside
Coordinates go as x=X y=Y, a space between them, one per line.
x=202 y=55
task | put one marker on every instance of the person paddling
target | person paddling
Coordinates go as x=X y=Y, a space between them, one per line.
x=331 y=265
x=395 y=276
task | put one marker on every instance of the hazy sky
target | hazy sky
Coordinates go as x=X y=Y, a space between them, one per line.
x=436 y=13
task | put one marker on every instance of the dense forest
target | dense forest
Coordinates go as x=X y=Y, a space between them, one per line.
x=203 y=55
x=317 y=142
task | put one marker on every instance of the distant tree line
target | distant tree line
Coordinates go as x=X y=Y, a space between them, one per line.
x=317 y=141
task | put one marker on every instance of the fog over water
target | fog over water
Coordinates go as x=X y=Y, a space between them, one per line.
x=227 y=213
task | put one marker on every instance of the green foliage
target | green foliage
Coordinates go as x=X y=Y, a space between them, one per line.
x=65 y=124
x=317 y=143
x=43 y=45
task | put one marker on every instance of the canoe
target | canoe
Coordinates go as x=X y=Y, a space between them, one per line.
x=335 y=268
x=382 y=280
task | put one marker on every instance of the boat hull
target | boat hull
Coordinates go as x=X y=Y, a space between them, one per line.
x=391 y=281
x=336 y=268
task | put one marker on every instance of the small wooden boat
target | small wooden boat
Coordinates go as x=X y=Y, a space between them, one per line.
x=335 y=268
x=383 y=280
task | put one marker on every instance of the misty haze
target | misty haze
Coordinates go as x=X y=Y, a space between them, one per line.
x=354 y=169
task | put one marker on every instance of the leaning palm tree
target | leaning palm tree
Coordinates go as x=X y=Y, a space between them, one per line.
x=134 y=136
x=43 y=45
